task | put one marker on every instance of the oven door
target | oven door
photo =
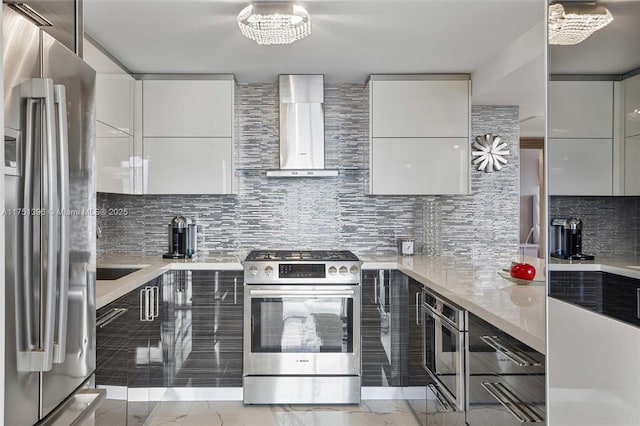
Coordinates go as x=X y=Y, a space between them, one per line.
x=302 y=330
x=444 y=358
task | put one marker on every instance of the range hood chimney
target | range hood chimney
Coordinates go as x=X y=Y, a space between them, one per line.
x=301 y=127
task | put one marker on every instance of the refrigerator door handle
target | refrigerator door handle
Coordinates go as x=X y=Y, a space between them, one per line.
x=38 y=356
x=60 y=340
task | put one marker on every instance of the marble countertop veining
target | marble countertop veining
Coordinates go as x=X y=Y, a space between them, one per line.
x=475 y=285
x=472 y=284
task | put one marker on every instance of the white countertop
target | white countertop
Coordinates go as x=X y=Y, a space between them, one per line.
x=519 y=310
x=628 y=266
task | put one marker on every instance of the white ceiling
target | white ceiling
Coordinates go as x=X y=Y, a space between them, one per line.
x=350 y=40
x=614 y=49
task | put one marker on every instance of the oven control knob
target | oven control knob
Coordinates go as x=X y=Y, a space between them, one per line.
x=332 y=270
x=343 y=270
x=268 y=271
x=354 y=270
x=253 y=271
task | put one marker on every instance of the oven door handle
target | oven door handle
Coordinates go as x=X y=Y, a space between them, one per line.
x=303 y=293
x=446 y=322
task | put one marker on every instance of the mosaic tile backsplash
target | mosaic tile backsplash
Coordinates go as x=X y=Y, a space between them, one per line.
x=327 y=213
x=610 y=225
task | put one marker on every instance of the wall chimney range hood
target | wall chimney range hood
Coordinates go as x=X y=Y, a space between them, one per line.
x=301 y=127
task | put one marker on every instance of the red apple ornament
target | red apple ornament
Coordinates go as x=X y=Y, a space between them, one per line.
x=523 y=271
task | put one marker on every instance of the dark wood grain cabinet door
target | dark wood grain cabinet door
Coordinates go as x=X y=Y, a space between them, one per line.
x=204 y=334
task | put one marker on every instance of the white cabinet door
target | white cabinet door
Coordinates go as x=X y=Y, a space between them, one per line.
x=420 y=108
x=188 y=166
x=113 y=156
x=632 y=166
x=580 y=166
x=632 y=106
x=581 y=109
x=187 y=108
x=114 y=97
x=419 y=166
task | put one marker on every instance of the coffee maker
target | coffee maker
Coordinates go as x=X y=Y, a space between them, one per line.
x=182 y=238
x=566 y=239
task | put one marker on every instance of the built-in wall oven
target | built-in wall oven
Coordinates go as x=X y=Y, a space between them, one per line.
x=445 y=334
x=301 y=327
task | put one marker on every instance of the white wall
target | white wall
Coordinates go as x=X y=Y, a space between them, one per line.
x=529 y=186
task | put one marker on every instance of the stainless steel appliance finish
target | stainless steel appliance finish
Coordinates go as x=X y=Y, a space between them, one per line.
x=301 y=127
x=49 y=220
x=301 y=327
x=445 y=338
x=182 y=239
x=566 y=239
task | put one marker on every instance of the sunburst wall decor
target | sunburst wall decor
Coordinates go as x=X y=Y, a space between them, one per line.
x=490 y=153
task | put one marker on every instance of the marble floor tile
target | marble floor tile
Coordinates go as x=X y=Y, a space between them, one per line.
x=234 y=413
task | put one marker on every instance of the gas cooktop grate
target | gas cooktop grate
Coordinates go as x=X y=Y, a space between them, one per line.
x=302 y=255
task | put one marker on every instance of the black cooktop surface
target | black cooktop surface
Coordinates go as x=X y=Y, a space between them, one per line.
x=302 y=255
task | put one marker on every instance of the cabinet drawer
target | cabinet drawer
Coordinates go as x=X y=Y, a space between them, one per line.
x=492 y=351
x=506 y=400
x=419 y=166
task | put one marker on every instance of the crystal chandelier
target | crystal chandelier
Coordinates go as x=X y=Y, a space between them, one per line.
x=274 y=22
x=572 y=23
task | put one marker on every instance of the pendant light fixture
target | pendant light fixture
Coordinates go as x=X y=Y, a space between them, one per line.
x=573 y=22
x=274 y=22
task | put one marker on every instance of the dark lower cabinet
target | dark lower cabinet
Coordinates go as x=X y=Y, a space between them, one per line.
x=391 y=331
x=505 y=380
x=608 y=294
x=204 y=334
x=182 y=329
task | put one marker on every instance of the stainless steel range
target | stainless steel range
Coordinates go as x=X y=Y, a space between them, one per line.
x=301 y=327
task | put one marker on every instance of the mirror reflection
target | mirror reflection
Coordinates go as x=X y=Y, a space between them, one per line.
x=593 y=184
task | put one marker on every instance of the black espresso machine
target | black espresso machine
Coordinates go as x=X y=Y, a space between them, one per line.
x=566 y=239
x=182 y=238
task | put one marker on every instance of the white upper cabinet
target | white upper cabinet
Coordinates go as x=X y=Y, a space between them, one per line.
x=114 y=101
x=188 y=108
x=114 y=123
x=188 y=136
x=580 y=166
x=419 y=108
x=581 y=109
x=188 y=165
x=632 y=106
x=632 y=166
x=406 y=166
x=419 y=135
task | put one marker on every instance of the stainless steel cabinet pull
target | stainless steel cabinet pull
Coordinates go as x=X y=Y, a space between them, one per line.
x=110 y=316
x=418 y=316
x=375 y=290
x=143 y=307
x=60 y=342
x=638 y=303
x=235 y=290
x=440 y=398
x=155 y=294
x=523 y=412
x=516 y=356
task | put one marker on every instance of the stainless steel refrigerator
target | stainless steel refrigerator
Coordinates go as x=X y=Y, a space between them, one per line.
x=50 y=226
